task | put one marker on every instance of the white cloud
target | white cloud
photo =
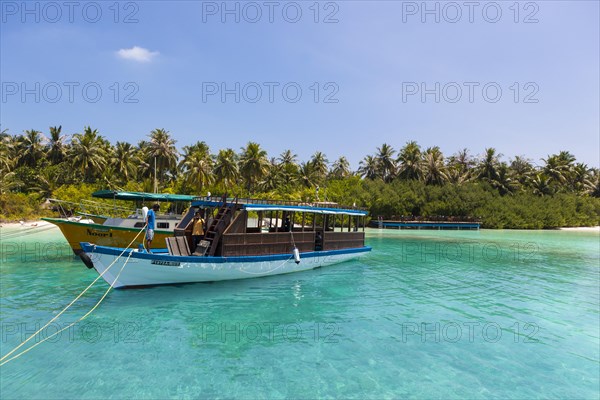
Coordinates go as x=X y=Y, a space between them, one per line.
x=138 y=54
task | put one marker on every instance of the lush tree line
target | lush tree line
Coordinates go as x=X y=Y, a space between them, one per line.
x=411 y=181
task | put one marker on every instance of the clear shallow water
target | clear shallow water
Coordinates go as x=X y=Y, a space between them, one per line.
x=428 y=314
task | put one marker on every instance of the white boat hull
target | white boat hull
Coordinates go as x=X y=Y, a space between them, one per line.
x=142 y=269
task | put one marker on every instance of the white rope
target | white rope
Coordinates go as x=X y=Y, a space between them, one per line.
x=69 y=305
x=70 y=325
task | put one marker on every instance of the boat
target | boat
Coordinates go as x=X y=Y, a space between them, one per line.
x=118 y=231
x=245 y=238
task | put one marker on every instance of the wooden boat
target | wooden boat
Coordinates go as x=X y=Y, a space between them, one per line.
x=116 y=231
x=245 y=239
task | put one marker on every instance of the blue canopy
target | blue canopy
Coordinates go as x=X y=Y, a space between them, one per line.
x=273 y=206
x=134 y=196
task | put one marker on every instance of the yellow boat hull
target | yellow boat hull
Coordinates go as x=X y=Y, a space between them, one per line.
x=77 y=232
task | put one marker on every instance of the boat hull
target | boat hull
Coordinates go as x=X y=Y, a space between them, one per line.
x=77 y=232
x=143 y=269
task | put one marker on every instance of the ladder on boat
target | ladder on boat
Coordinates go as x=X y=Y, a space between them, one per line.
x=218 y=225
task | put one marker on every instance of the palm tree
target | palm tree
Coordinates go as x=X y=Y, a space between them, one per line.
x=558 y=168
x=386 y=162
x=8 y=182
x=307 y=173
x=340 y=168
x=368 y=168
x=288 y=157
x=503 y=180
x=582 y=179
x=319 y=165
x=488 y=165
x=521 y=170
x=289 y=164
x=409 y=160
x=88 y=153
x=594 y=189
x=7 y=149
x=124 y=160
x=161 y=148
x=145 y=169
x=274 y=177
x=57 y=146
x=31 y=147
x=197 y=170
x=540 y=185
x=253 y=164
x=198 y=147
x=226 y=168
x=434 y=170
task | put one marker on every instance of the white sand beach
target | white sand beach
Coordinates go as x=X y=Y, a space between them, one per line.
x=583 y=229
x=25 y=224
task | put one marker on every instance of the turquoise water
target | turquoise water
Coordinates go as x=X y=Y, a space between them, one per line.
x=428 y=314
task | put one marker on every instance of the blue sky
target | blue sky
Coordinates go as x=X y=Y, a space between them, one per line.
x=374 y=61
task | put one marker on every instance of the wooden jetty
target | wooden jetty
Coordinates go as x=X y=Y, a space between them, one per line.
x=418 y=223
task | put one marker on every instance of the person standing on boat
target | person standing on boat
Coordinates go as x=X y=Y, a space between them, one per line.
x=198 y=228
x=150 y=225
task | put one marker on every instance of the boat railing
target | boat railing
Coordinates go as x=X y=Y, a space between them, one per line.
x=248 y=200
x=68 y=208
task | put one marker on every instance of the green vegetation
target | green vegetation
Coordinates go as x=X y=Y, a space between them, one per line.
x=410 y=182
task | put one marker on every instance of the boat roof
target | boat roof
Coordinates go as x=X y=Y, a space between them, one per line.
x=134 y=196
x=274 y=205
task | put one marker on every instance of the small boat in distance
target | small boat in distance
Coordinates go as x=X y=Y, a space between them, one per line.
x=246 y=238
x=118 y=231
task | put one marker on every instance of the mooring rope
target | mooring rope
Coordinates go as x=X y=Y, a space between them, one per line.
x=3 y=359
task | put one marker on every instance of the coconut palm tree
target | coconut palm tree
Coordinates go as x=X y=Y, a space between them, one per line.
x=434 y=170
x=197 y=170
x=461 y=160
x=581 y=179
x=459 y=167
x=226 y=168
x=368 y=168
x=88 y=153
x=503 y=180
x=288 y=157
x=521 y=170
x=7 y=157
x=319 y=166
x=340 y=168
x=289 y=164
x=594 y=189
x=487 y=168
x=274 y=177
x=124 y=160
x=385 y=162
x=307 y=175
x=8 y=182
x=31 y=147
x=558 y=168
x=409 y=160
x=253 y=164
x=57 y=146
x=199 y=147
x=161 y=148
x=540 y=185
